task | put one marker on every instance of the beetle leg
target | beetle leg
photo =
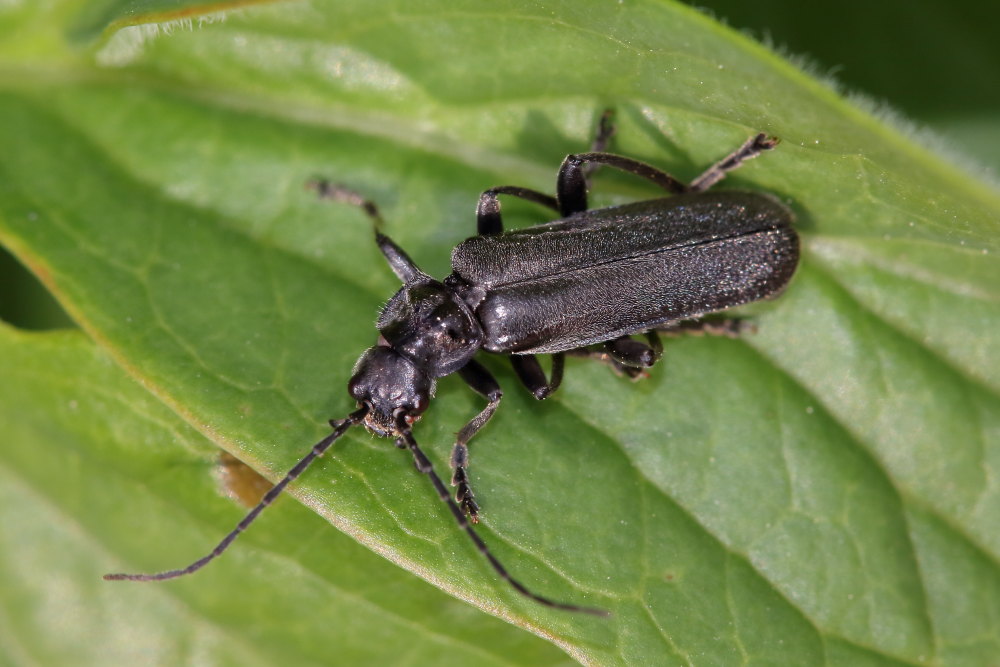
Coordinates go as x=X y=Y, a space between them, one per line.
x=488 y=221
x=600 y=354
x=605 y=130
x=530 y=372
x=730 y=327
x=629 y=357
x=750 y=149
x=626 y=356
x=483 y=383
x=602 y=137
x=631 y=352
x=571 y=184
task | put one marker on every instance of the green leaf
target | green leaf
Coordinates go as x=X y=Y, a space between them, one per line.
x=821 y=491
x=95 y=470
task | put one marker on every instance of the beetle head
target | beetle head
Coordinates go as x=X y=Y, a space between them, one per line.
x=431 y=325
x=386 y=382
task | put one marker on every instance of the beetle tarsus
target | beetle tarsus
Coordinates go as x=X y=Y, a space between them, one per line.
x=464 y=496
x=750 y=149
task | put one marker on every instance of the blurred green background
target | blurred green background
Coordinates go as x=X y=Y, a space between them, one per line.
x=933 y=63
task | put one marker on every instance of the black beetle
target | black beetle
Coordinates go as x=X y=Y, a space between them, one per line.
x=591 y=278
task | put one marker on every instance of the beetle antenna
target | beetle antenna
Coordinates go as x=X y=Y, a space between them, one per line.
x=339 y=428
x=423 y=464
x=399 y=261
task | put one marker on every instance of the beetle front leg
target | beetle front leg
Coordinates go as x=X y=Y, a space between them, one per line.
x=483 y=383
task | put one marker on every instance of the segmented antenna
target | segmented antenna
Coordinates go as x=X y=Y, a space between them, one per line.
x=423 y=464
x=339 y=428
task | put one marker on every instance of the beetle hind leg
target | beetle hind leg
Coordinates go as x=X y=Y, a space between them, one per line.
x=729 y=327
x=626 y=356
x=750 y=149
x=634 y=353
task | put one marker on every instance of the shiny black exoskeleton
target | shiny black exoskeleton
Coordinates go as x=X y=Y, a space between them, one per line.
x=582 y=284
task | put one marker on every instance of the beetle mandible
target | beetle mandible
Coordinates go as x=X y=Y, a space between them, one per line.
x=609 y=273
